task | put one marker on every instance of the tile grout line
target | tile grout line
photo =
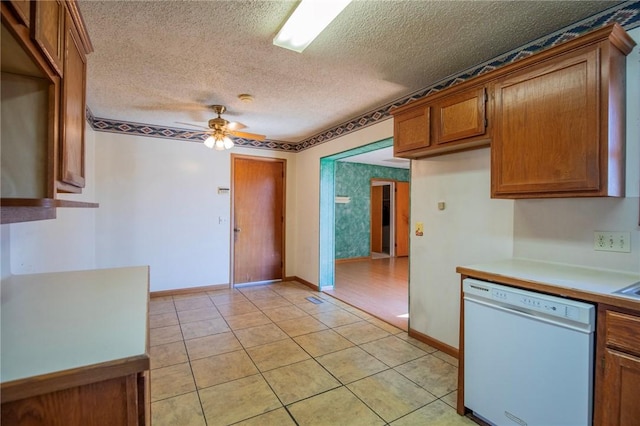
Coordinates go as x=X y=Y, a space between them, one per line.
x=291 y=303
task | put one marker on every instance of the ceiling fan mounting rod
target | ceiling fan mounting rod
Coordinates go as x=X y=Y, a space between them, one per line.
x=218 y=109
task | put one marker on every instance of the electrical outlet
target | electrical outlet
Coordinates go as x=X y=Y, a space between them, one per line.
x=612 y=241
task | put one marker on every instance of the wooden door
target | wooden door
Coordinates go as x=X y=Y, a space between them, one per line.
x=258 y=219
x=402 y=219
x=376 y=218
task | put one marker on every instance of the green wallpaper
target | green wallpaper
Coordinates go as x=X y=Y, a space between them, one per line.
x=353 y=219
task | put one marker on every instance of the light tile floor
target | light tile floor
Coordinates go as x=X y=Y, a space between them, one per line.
x=266 y=355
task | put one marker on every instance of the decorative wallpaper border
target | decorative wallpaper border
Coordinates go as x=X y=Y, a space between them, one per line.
x=626 y=14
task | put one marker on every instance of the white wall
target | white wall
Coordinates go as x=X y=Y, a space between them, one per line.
x=562 y=230
x=159 y=206
x=472 y=228
x=5 y=251
x=64 y=243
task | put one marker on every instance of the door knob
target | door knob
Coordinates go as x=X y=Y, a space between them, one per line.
x=236 y=229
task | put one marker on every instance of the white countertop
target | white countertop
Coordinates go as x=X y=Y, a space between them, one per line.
x=592 y=280
x=58 y=321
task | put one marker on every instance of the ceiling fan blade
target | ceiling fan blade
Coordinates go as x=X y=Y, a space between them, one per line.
x=234 y=125
x=246 y=135
x=192 y=125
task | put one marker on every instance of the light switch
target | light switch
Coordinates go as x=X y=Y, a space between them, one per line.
x=419 y=229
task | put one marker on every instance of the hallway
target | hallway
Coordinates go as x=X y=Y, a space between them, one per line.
x=377 y=286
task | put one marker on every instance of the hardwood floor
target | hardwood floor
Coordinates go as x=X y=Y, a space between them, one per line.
x=377 y=286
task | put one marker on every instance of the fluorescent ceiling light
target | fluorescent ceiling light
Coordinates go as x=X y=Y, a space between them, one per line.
x=307 y=21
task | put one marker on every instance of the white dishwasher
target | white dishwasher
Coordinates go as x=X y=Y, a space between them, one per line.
x=528 y=357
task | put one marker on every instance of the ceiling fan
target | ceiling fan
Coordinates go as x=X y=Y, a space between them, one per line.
x=220 y=129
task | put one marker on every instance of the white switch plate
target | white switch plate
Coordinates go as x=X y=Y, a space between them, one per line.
x=612 y=241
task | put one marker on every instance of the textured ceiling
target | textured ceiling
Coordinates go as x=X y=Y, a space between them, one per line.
x=163 y=62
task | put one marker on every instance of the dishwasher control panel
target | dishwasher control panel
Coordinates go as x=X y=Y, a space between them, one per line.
x=523 y=299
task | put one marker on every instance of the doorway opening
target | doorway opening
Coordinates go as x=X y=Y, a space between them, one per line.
x=358 y=261
x=382 y=218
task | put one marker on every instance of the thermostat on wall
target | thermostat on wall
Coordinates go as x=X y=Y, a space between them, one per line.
x=223 y=190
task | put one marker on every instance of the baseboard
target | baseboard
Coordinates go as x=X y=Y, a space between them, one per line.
x=353 y=259
x=441 y=346
x=183 y=291
x=301 y=281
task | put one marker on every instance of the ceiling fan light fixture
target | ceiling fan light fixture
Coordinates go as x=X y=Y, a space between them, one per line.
x=209 y=142
x=218 y=141
x=219 y=146
x=309 y=19
x=227 y=142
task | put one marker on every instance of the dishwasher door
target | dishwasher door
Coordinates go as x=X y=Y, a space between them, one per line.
x=528 y=357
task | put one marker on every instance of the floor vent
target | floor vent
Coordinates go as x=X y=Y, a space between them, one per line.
x=314 y=300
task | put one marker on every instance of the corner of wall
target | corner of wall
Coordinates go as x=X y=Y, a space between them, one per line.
x=5 y=251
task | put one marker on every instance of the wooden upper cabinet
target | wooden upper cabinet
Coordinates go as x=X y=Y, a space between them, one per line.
x=555 y=120
x=48 y=31
x=559 y=124
x=411 y=131
x=71 y=153
x=44 y=44
x=22 y=9
x=459 y=116
x=546 y=135
x=452 y=120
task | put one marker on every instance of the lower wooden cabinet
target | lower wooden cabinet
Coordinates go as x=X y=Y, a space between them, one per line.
x=75 y=364
x=617 y=385
x=110 y=402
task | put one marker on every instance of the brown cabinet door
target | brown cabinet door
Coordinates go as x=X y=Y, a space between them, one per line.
x=546 y=136
x=411 y=130
x=621 y=406
x=459 y=116
x=22 y=10
x=48 y=31
x=71 y=153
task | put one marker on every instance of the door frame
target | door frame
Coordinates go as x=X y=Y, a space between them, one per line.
x=327 y=253
x=392 y=213
x=232 y=214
